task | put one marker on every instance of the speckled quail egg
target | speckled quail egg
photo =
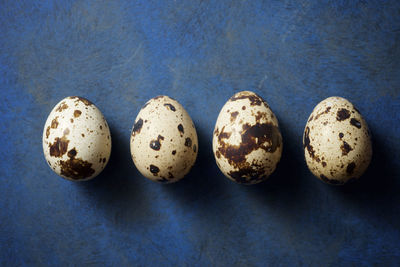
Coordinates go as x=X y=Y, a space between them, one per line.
x=337 y=143
x=247 y=142
x=164 y=141
x=76 y=139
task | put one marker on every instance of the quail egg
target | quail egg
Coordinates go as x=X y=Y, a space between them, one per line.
x=247 y=142
x=76 y=139
x=337 y=143
x=164 y=141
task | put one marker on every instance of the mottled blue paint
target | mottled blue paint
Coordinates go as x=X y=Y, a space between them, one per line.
x=119 y=54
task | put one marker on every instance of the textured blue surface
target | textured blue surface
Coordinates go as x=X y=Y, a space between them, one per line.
x=119 y=54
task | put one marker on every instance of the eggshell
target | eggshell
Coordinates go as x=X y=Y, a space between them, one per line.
x=76 y=139
x=164 y=141
x=337 y=143
x=247 y=142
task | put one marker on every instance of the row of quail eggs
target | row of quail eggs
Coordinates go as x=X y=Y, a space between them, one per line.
x=247 y=142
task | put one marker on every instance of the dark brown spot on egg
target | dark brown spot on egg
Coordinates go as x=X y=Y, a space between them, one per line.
x=180 y=129
x=323 y=164
x=72 y=153
x=254 y=99
x=234 y=115
x=47 y=131
x=218 y=154
x=62 y=106
x=170 y=106
x=355 y=123
x=173 y=152
x=244 y=108
x=54 y=123
x=76 y=168
x=330 y=181
x=223 y=135
x=170 y=175
x=265 y=136
x=350 y=168
x=259 y=136
x=83 y=135
x=83 y=100
x=326 y=111
x=260 y=115
x=342 y=114
x=137 y=127
x=188 y=142
x=77 y=113
x=346 y=148
x=104 y=160
x=311 y=118
x=59 y=147
x=154 y=170
x=308 y=146
x=341 y=135
x=156 y=144
x=194 y=148
x=101 y=127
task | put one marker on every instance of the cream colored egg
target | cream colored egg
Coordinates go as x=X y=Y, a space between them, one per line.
x=247 y=142
x=337 y=143
x=76 y=139
x=164 y=141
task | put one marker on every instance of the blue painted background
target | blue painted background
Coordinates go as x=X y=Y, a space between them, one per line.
x=119 y=54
